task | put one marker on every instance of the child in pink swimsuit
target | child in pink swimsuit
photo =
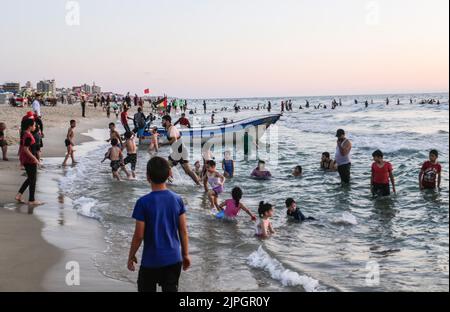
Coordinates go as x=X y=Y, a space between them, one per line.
x=231 y=207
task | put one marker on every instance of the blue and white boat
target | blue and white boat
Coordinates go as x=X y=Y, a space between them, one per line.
x=229 y=133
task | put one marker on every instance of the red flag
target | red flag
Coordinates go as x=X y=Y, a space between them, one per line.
x=165 y=102
x=147 y=91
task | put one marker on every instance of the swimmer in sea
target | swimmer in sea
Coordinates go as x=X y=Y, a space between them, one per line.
x=131 y=158
x=260 y=172
x=327 y=163
x=264 y=227
x=294 y=213
x=228 y=165
x=231 y=207
x=298 y=171
x=216 y=182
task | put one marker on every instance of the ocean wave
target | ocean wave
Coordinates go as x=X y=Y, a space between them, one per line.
x=346 y=219
x=84 y=206
x=260 y=259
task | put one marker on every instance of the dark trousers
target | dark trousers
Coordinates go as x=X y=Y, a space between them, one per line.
x=344 y=173
x=381 y=189
x=127 y=127
x=83 y=110
x=166 y=277
x=31 y=171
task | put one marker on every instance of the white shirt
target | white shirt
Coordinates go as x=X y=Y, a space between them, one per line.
x=36 y=107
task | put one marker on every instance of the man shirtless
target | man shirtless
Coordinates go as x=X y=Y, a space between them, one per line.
x=116 y=156
x=131 y=158
x=114 y=134
x=69 y=142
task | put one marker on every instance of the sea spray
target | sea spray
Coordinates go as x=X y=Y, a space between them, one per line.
x=260 y=259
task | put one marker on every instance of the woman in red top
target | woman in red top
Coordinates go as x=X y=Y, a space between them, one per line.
x=381 y=174
x=29 y=161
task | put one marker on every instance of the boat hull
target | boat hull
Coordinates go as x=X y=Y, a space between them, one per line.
x=232 y=133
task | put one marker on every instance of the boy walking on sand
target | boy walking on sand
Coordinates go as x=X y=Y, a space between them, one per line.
x=161 y=224
x=69 y=142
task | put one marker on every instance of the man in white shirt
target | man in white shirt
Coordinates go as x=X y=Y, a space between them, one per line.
x=36 y=107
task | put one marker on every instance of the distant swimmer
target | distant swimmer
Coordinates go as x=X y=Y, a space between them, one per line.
x=261 y=172
x=398 y=101
x=232 y=207
x=382 y=172
x=387 y=101
x=204 y=107
x=183 y=121
x=307 y=104
x=269 y=106
x=264 y=228
x=431 y=173
x=294 y=213
x=298 y=171
x=367 y=104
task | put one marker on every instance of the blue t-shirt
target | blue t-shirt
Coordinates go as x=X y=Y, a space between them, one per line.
x=161 y=213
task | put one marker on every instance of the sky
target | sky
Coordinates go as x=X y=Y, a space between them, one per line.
x=233 y=48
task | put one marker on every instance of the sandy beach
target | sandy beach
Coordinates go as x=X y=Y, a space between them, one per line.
x=34 y=249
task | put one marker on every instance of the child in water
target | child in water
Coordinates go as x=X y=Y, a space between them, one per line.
x=431 y=173
x=294 y=213
x=228 y=165
x=215 y=180
x=154 y=145
x=198 y=169
x=264 y=227
x=116 y=156
x=261 y=172
x=131 y=158
x=231 y=207
x=381 y=174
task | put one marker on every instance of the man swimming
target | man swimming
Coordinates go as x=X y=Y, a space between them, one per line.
x=327 y=163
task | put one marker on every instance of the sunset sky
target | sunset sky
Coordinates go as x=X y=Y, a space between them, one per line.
x=233 y=48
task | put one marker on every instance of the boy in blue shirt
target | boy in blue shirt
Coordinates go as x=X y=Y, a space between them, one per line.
x=161 y=224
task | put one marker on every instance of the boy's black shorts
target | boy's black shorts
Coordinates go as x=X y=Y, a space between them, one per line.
x=381 y=189
x=166 y=277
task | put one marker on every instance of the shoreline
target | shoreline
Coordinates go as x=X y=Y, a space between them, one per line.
x=37 y=244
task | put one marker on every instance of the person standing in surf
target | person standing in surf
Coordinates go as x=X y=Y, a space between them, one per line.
x=179 y=153
x=343 y=149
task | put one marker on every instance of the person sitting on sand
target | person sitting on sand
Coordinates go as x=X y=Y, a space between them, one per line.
x=264 y=227
x=216 y=182
x=327 y=163
x=116 y=156
x=381 y=174
x=294 y=213
x=3 y=142
x=131 y=152
x=69 y=142
x=162 y=225
x=298 y=171
x=231 y=207
x=260 y=172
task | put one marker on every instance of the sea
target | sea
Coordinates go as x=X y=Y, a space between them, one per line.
x=357 y=243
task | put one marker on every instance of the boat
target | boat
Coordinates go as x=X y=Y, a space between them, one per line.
x=250 y=129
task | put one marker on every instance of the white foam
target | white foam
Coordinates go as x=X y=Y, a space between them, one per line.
x=84 y=205
x=346 y=219
x=260 y=259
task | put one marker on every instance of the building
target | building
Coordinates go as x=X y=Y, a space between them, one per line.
x=13 y=87
x=96 y=89
x=46 y=86
x=29 y=85
x=86 y=88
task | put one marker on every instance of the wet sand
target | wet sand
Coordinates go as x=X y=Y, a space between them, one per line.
x=37 y=244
